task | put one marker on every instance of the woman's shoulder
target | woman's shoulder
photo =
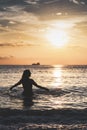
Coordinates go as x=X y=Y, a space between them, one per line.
x=31 y=79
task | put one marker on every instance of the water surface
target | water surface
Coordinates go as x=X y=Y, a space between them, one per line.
x=67 y=84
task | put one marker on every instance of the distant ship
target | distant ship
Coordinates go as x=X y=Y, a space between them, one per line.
x=36 y=63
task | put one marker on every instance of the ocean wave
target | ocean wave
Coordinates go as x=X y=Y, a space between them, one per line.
x=43 y=116
x=54 y=99
x=16 y=93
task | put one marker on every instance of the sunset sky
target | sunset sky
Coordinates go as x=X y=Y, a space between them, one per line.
x=45 y=31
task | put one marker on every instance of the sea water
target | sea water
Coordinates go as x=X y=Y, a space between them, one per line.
x=64 y=107
x=67 y=87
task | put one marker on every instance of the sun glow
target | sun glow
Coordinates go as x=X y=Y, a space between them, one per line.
x=57 y=37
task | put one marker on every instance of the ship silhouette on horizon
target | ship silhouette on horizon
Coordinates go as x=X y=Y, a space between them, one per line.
x=36 y=63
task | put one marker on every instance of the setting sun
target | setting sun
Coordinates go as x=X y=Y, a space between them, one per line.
x=57 y=37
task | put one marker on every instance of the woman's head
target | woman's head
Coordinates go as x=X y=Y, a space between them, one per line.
x=26 y=73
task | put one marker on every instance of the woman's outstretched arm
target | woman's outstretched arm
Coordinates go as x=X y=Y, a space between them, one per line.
x=18 y=83
x=34 y=83
x=42 y=87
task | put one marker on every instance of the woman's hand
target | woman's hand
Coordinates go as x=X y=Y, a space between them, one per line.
x=47 y=89
x=10 y=89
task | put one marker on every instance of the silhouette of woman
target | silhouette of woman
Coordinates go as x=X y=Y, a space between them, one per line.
x=27 y=83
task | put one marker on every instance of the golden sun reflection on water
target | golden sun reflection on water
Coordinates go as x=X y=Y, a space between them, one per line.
x=57 y=100
x=57 y=76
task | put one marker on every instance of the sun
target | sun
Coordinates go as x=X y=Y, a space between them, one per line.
x=57 y=37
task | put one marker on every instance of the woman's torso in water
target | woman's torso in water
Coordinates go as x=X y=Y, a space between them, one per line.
x=27 y=86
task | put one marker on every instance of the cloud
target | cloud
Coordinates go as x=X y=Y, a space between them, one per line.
x=12 y=2
x=47 y=9
x=78 y=1
x=6 y=57
x=32 y=2
x=75 y=1
x=82 y=27
x=41 y=7
x=7 y=22
x=79 y=47
x=13 y=13
x=15 y=44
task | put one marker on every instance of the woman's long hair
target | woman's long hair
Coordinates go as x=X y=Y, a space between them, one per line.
x=26 y=74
